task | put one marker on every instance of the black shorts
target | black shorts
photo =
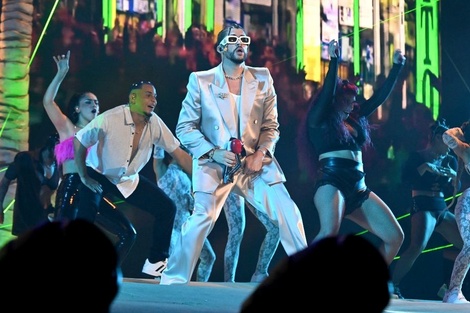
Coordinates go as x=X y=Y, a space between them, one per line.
x=345 y=175
x=435 y=205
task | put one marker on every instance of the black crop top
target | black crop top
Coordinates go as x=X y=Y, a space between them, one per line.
x=319 y=129
x=428 y=181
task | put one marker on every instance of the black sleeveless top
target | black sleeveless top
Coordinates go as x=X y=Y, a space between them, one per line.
x=320 y=133
x=428 y=181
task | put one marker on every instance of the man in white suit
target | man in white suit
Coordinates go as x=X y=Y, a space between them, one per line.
x=231 y=100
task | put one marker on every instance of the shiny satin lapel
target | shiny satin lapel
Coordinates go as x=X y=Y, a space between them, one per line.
x=222 y=98
x=249 y=89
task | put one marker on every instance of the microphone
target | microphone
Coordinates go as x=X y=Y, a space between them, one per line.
x=236 y=146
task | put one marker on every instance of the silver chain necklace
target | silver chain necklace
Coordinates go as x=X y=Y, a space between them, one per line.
x=234 y=78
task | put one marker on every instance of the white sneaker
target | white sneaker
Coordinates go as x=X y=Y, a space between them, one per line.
x=454 y=296
x=154 y=269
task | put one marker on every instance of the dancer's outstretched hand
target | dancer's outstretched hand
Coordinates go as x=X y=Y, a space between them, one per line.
x=399 y=57
x=62 y=62
x=333 y=48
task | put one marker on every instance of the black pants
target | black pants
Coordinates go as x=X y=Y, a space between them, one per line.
x=108 y=218
x=147 y=196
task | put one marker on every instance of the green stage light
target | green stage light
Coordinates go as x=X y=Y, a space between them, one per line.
x=427 y=53
x=210 y=9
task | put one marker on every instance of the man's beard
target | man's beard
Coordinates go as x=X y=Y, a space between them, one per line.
x=237 y=60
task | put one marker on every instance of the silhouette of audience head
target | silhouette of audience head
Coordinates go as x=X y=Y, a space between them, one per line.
x=334 y=272
x=60 y=266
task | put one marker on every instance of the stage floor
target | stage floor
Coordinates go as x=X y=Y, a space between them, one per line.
x=146 y=295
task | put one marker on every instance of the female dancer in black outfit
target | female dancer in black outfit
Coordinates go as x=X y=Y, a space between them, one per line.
x=338 y=130
x=37 y=177
x=431 y=175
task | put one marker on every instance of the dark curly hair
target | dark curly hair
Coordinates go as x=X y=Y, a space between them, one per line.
x=73 y=103
x=438 y=128
x=345 y=87
x=49 y=145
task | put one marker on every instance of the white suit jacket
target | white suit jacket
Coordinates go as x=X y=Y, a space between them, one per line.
x=206 y=121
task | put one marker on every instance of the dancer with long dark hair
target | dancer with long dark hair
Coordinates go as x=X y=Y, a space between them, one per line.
x=338 y=130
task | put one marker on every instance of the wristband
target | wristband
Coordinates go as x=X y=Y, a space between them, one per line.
x=263 y=151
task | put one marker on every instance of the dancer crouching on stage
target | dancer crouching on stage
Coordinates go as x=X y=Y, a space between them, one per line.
x=82 y=108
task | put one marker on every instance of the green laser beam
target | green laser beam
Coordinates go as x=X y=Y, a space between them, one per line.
x=43 y=32
x=408 y=214
x=426 y=250
x=9 y=206
x=5 y=124
x=430 y=250
x=381 y=22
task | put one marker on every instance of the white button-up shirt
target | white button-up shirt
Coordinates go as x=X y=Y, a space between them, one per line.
x=110 y=136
